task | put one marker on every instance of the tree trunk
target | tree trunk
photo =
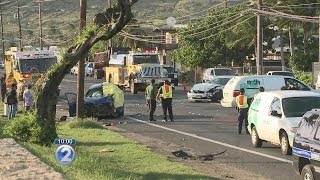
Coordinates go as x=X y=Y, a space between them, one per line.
x=291 y=39
x=282 y=53
x=47 y=98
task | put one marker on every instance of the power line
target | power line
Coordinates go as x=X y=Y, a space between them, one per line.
x=227 y=29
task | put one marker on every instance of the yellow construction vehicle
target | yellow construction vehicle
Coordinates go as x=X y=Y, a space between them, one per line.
x=135 y=71
x=28 y=65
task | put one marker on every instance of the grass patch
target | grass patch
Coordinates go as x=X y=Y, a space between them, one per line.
x=84 y=123
x=128 y=161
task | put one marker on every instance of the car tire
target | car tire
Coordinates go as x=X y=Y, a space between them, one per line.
x=307 y=172
x=256 y=141
x=285 y=145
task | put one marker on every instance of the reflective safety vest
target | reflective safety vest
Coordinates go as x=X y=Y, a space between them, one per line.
x=166 y=91
x=242 y=101
x=9 y=82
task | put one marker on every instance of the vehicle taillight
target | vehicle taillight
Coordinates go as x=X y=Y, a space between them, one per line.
x=236 y=93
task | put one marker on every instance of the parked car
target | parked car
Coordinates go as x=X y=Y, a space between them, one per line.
x=251 y=85
x=280 y=73
x=210 y=73
x=89 y=70
x=273 y=115
x=74 y=70
x=172 y=74
x=211 y=90
x=101 y=101
x=306 y=146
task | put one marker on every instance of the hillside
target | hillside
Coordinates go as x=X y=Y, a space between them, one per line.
x=61 y=17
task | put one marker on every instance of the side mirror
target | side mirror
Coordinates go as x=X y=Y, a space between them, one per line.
x=275 y=113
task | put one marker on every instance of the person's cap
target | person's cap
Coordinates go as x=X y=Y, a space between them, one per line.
x=242 y=90
x=166 y=81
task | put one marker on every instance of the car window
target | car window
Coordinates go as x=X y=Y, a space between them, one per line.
x=298 y=106
x=317 y=136
x=306 y=130
x=283 y=73
x=223 y=72
x=276 y=105
x=295 y=84
x=96 y=92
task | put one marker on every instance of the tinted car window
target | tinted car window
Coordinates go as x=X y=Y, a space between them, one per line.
x=223 y=72
x=283 y=73
x=306 y=130
x=294 y=84
x=297 y=106
x=221 y=81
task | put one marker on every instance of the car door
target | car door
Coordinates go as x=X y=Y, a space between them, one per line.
x=272 y=121
x=315 y=145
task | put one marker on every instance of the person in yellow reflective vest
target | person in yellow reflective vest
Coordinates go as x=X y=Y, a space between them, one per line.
x=165 y=93
x=242 y=105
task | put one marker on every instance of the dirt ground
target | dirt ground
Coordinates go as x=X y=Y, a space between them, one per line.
x=17 y=163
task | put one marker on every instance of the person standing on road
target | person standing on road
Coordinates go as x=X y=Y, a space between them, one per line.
x=3 y=87
x=27 y=98
x=165 y=93
x=151 y=95
x=242 y=105
x=12 y=101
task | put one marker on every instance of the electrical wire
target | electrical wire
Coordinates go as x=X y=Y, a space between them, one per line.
x=227 y=28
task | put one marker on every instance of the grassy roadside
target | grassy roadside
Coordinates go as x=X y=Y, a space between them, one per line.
x=128 y=160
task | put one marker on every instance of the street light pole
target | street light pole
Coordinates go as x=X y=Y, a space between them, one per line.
x=40 y=24
x=110 y=40
x=20 y=32
x=259 y=56
x=2 y=36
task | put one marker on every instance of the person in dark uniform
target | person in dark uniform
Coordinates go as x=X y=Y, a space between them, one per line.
x=165 y=93
x=3 y=87
x=242 y=105
x=151 y=95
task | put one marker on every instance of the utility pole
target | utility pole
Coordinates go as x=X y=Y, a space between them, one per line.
x=259 y=55
x=81 y=64
x=40 y=24
x=110 y=40
x=281 y=51
x=20 y=32
x=1 y=21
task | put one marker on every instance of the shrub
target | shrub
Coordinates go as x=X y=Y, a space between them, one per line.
x=29 y=128
x=85 y=124
x=304 y=77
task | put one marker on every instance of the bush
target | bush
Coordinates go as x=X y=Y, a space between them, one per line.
x=305 y=77
x=29 y=128
x=85 y=124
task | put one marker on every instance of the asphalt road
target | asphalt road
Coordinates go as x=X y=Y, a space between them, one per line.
x=203 y=127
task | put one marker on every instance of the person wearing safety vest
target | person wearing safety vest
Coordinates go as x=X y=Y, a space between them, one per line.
x=242 y=105
x=165 y=92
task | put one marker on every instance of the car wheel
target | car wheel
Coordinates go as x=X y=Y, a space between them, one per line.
x=285 y=146
x=307 y=173
x=256 y=141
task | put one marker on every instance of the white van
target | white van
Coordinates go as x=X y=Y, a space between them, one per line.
x=251 y=85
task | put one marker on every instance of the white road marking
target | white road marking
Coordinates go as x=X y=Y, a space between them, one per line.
x=214 y=141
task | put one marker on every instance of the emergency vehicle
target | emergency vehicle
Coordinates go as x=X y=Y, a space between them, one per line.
x=28 y=65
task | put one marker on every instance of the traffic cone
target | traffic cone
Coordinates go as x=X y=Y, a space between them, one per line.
x=184 y=86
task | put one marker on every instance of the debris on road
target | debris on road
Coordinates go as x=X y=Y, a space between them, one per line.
x=207 y=157
x=106 y=150
x=109 y=124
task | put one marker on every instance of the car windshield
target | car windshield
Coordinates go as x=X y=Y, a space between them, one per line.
x=283 y=73
x=223 y=72
x=38 y=65
x=145 y=59
x=297 y=106
x=169 y=69
x=221 y=81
